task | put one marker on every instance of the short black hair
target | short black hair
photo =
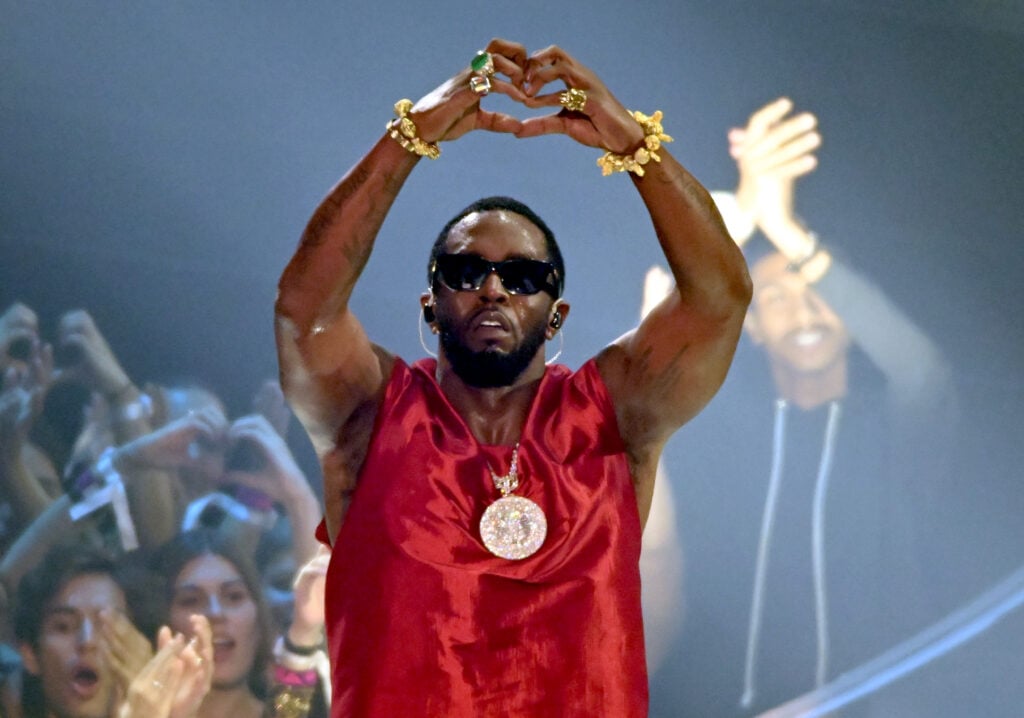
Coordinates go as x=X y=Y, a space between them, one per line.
x=500 y=202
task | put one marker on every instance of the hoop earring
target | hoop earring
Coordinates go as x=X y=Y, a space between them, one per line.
x=419 y=330
x=561 y=346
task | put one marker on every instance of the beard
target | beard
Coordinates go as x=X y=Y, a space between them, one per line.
x=490 y=367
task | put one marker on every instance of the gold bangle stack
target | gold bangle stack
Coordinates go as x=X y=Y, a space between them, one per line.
x=654 y=135
x=403 y=131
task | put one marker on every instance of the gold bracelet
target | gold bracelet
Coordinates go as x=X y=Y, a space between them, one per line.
x=290 y=704
x=404 y=132
x=654 y=135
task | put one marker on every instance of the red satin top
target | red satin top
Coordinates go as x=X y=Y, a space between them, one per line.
x=423 y=621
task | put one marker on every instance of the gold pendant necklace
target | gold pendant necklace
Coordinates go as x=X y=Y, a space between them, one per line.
x=513 y=527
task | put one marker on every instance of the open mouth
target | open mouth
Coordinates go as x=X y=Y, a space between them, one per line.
x=808 y=337
x=222 y=648
x=85 y=681
x=491 y=320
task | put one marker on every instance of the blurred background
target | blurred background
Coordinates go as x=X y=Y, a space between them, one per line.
x=161 y=159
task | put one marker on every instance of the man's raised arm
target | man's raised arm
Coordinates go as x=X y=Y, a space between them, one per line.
x=328 y=365
x=664 y=372
x=330 y=371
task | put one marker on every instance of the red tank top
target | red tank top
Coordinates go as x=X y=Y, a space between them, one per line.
x=423 y=621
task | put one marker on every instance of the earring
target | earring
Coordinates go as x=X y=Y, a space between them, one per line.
x=561 y=346
x=419 y=330
x=556 y=316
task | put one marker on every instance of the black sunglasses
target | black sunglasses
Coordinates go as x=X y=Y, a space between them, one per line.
x=468 y=272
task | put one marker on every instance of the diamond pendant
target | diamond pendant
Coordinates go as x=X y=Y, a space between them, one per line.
x=513 y=527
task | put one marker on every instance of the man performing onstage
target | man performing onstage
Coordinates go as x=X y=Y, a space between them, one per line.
x=485 y=510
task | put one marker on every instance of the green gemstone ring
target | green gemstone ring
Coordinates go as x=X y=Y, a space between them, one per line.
x=482 y=63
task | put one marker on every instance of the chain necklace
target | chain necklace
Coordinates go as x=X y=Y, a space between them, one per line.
x=513 y=527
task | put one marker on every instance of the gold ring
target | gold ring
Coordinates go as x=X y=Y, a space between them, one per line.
x=573 y=100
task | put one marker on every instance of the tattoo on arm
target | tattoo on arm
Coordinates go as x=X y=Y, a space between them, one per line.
x=316 y=230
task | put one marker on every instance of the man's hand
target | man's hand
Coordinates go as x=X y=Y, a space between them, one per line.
x=771 y=152
x=602 y=123
x=124 y=647
x=453 y=109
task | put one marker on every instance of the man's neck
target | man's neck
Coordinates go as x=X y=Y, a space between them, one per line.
x=809 y=390
x=495 y=415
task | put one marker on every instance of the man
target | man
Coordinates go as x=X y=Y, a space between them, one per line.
x=807 y=543
x=428 y=612
x=72 y=632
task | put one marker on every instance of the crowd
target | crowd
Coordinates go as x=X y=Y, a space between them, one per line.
x=134 y=517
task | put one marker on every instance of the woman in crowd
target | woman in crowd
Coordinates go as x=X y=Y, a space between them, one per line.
x=204 y=573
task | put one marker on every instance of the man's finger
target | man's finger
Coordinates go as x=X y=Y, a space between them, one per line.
x=497 y=122
x=546 y=125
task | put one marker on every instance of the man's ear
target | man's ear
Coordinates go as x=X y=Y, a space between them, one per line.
x=557 y=317
x=29 y=658
x=427 y=306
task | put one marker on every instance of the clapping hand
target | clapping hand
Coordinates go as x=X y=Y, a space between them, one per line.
x=175 y=681
x=772 y=152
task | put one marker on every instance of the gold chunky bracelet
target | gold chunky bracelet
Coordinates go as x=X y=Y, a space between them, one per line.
x=290 y=704
x=404 y=132
x=654 y=135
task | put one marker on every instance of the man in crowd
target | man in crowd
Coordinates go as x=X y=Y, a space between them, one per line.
x=61 y=610
x=808 y=542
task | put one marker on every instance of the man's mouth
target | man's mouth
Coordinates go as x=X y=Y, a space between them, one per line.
x=808 y=337
x=490 y=319
x=85 y=682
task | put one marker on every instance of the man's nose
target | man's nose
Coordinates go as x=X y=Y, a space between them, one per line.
x=493 y=289
x=804 y=309
x=87 y=632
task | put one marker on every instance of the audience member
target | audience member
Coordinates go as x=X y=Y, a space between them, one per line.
x=75 y=636
x=205 y=573
x=807 y=544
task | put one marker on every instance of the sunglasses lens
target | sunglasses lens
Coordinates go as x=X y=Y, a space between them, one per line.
x=462 y=272
x=524 y=276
